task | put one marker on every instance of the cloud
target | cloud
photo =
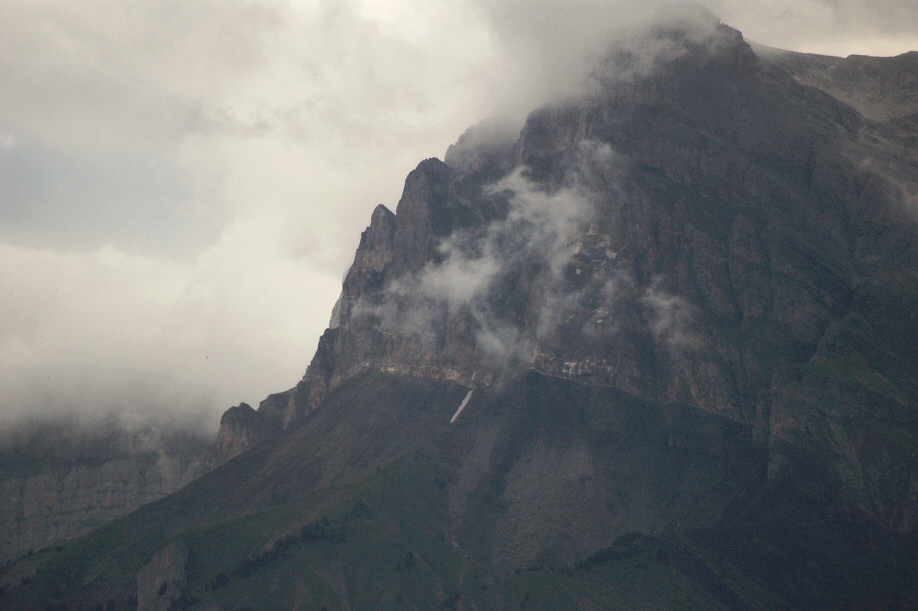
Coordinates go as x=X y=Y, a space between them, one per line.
x=69 y=199
x=669 y=318
x=92 y=331
x=538 y=239
x=547 y=48
x=183 y=185
x=148 y=108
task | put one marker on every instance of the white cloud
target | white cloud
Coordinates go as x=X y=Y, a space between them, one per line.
x=210 y=332
x=195 y=181
x=670 y=318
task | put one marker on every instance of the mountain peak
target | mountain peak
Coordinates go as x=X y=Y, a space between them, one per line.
x=675 y=45
x=686 y=16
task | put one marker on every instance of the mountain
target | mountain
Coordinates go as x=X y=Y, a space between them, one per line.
x=657 y=349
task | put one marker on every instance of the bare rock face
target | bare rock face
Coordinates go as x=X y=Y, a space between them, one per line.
x=622 y=243
x=60 y=480
x=241 y=427
x=705 y=226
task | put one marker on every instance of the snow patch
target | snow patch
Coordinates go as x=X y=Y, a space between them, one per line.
x=461 y=406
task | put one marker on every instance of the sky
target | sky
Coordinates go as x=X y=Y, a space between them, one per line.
x=183 y=184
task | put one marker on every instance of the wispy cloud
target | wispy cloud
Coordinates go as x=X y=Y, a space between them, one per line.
x=529 y=250
x=669 y=317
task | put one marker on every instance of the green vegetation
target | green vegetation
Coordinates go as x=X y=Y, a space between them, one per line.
x=385 y=535
x=382 y=546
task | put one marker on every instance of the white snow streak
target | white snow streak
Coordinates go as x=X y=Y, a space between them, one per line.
x=461 y=406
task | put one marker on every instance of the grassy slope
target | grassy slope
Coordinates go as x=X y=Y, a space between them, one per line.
x=378 y=494
x=364 y=520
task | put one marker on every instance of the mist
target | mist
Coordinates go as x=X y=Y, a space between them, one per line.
x=540 y=227
x=184 y=185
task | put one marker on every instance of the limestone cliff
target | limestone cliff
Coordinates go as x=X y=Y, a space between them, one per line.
x=705 y=225
x=59 y=480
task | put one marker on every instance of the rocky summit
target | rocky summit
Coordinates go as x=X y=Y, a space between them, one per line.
x=657 y=348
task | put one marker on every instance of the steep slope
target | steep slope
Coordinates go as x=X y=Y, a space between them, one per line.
x=880 y=88
x=541 y=485
x=659 y=347
x=537 y=472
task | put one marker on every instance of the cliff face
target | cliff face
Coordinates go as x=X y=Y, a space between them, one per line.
x=59 y=480
x=705 y=226
x=241 y=427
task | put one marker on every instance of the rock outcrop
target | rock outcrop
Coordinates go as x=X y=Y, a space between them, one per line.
x=241 y=427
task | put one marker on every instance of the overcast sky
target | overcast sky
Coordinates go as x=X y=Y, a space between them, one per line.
x=183 y=184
